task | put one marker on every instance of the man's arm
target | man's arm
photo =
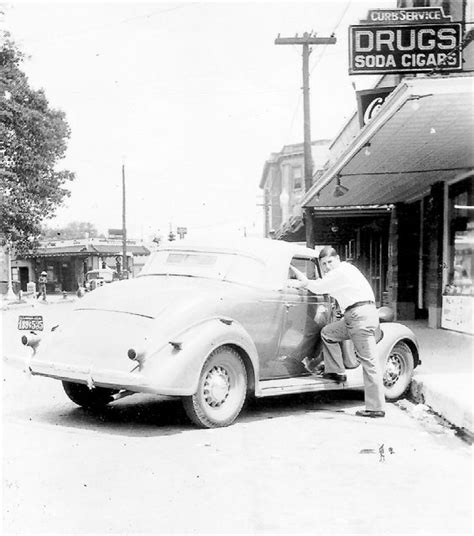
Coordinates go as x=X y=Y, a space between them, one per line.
x=316 y=287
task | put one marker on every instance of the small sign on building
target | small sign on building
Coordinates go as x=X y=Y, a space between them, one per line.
x=182 y=231
x=115 y=233
x=369 y=102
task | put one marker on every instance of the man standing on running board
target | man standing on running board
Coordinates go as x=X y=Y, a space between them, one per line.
x=356 y=298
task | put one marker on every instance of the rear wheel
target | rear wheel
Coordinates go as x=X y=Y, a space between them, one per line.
x=81 y=395
x=222 y=390
x=398 y=371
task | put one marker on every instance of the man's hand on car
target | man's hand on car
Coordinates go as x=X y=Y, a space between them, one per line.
x=303 y=280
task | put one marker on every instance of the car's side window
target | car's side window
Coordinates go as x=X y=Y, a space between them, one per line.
x=304 y=265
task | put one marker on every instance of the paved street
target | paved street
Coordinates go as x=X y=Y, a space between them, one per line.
x=299 y=464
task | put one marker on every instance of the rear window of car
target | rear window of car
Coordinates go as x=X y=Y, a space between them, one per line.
x=223 y=266
x=193 y=264
x=188 y=258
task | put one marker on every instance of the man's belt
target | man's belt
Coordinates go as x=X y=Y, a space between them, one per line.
x=358 y=304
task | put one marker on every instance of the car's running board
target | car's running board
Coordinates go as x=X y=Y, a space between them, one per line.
x=287 y=386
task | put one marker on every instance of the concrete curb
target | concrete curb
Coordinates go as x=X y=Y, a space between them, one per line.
x=448 y=395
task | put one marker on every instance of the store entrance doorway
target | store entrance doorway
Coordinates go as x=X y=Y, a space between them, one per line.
x=24 y=277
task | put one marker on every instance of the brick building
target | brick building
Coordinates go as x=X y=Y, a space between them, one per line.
x=282 y=183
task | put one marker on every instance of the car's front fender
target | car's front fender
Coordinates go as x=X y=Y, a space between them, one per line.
x=175 y=367
x=393 y=333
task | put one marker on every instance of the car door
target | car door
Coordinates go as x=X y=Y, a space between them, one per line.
x=304 y=317
x=257 y=307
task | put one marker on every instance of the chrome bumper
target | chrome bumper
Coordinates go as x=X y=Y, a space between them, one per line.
x=131 y=381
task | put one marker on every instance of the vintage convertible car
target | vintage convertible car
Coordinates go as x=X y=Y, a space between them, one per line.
x=211 y=324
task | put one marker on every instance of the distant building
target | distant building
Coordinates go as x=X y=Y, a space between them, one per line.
x=67 y=261
x=283 y=186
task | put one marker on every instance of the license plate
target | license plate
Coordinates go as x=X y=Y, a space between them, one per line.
x=32 y=323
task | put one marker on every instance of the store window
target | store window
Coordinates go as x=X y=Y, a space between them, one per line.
x=461 y=238
x=51 y=273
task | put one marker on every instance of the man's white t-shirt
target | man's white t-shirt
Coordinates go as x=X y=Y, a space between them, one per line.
x=345 y=283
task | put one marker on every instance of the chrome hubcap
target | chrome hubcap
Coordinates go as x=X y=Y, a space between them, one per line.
x=216 y=387
x=393 y=370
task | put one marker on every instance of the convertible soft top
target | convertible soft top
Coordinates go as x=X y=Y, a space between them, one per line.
x=262 y=248
x=275 y=254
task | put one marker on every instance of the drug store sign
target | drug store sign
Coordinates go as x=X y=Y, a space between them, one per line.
x=405 y=41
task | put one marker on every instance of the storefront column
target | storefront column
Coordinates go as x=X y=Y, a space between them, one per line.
x=402 y=273
x=434 y=224
x=392 y=267
x=266 y=212
x=285 y=193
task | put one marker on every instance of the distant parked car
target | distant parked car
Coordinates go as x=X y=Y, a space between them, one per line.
x=212 y=324
x=97 y=278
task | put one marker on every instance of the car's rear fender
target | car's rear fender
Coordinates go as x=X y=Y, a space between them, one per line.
x=176 y=366
x=393 y=333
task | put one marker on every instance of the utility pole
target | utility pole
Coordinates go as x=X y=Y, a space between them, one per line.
x=124 y=225
x=306 y=40
x=171 y=235
x=11 y=296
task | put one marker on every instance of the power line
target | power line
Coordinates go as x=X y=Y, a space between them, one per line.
x=318 y=59
x=149 y=15
x=297 y=107
x=323 y=50
x=110 y=24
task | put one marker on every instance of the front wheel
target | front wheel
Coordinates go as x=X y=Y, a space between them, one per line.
x=222 y=390
x=398 y=371
x=81 y=395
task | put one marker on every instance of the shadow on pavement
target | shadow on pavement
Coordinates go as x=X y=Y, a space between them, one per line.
x=137 y=416
x=330 y=402
x=149 y=416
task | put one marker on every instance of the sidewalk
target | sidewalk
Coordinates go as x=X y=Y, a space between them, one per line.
x=444 y=380
x=32 y=302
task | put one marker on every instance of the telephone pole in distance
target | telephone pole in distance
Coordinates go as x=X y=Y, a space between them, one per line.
x=124 y=224
x=306 y=40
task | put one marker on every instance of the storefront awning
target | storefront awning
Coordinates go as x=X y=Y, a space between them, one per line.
x=86 y=250
x=61 y=251
x=424 y=133
x=288 y=229
x=117 y=250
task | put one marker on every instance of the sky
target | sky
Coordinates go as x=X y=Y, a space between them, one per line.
x=192 y=97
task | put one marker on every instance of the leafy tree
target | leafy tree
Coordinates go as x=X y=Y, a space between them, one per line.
x=74 y=229
x=32 y=139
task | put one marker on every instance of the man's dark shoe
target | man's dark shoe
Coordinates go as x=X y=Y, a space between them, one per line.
x=339 y=378
x=370 y=413
x=312 y=365
x=319 y=370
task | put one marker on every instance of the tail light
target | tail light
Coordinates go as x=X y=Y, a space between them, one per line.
x=31 y=339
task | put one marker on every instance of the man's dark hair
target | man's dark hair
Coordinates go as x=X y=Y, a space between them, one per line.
x=327 y=251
